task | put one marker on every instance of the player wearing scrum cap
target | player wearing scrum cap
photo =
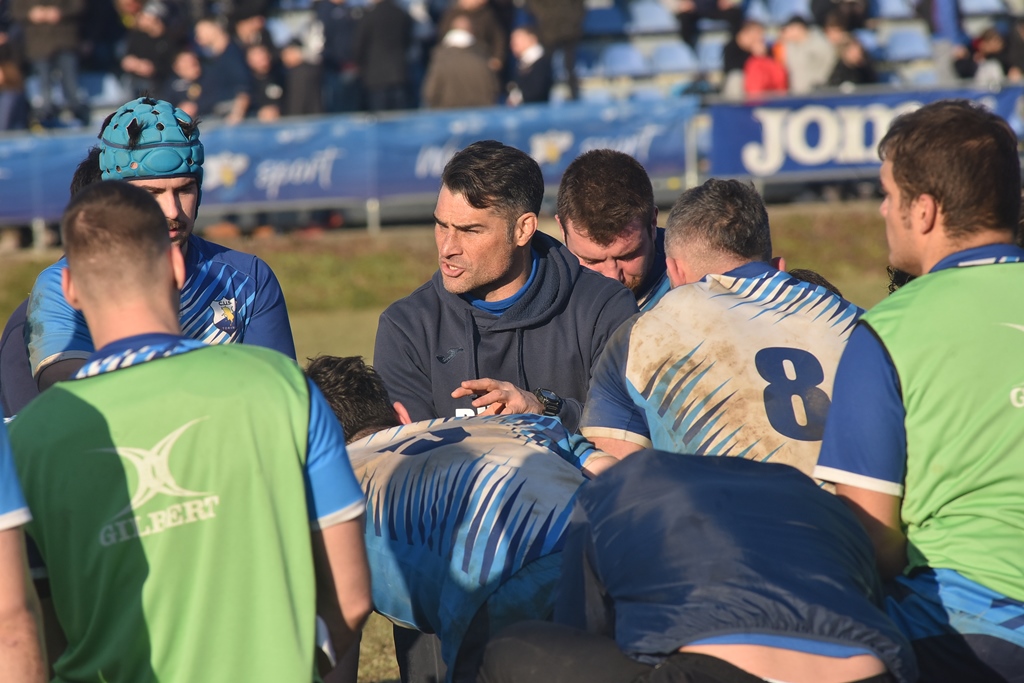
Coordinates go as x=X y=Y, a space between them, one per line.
x=227 y=296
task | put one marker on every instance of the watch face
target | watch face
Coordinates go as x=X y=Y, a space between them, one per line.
x=548 y=395
x=550 y=400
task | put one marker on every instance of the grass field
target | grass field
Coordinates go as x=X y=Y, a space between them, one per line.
x=337 y=285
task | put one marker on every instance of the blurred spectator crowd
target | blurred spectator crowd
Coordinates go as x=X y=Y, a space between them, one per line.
x=263 y=59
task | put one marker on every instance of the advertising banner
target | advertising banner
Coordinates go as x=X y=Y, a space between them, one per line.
x=833 y=136
x=345 y=159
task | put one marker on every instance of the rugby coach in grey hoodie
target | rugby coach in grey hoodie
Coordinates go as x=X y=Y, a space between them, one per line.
x=510 y=322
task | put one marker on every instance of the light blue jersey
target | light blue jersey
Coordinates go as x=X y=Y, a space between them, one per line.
x=228 y=297
x=13 y=510
x=739 y=364
x=456 y=508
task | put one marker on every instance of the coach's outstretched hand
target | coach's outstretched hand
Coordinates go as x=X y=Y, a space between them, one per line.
x=499 y=398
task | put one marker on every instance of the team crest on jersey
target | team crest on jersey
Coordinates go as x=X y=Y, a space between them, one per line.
x=224 y=317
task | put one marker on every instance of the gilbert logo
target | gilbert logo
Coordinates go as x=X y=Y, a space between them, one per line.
x=1017 y=393
x=1017 y=397
x=155 y=478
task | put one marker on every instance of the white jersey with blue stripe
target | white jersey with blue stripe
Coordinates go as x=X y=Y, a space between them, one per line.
x=456 y=507
x=739 y=364
x=13 y=510
x=227 y=297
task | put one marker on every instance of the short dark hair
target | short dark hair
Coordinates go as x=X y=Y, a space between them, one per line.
x=724 y=216
x=87 y=172
x=815 y=278
x=491 y=175
x=114 y=235
x=603 y=191
x=965 y=157
x=355 y=392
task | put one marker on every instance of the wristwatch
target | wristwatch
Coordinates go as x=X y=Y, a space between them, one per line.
x=551 y=401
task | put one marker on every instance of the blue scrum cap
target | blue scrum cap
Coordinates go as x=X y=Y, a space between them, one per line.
x=148 y=138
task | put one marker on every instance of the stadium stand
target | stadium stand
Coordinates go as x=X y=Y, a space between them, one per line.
x=674 y=58
x=709 y=52
x=650 y=16
x=907 y=45
x=982 y=7
x=782 y=11
x=624 y=60
x=894 y=9
x=606 y=21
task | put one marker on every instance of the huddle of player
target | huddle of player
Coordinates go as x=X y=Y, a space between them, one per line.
x=521 y=484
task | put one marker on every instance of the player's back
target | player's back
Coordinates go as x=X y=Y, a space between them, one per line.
x=740 y=366
x=173 y=520
x=456 y=507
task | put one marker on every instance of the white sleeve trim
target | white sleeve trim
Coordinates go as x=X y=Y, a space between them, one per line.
x=15 y=518
x=619 y=434
x=346 y=514
x=859 y=480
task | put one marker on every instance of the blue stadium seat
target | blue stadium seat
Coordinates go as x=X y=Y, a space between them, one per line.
x=102 y=89
x=869 y=41
x=894 y=9
x=709 y=53
x=907 y=45
x=757 y=10
x=606 y=21
x=674 y=58
x=623 y=59
x=783 y=10
x=923 y=78
x=971 y=8
x=646 y=94
x=587 y=63
x=596 y=95
x=650 y=16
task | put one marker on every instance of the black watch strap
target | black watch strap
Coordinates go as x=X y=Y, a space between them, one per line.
x=551 y=401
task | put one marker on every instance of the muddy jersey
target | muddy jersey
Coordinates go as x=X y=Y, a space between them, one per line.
x=228 y=297
x=457 y=507
x=739 y=364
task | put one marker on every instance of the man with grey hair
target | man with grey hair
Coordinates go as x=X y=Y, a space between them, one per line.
x=737 y=359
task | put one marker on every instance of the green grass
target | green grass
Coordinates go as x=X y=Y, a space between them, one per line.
x=377 y=652
x=337 y=285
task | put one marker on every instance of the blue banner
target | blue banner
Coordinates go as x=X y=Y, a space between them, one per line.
x=823 y=136
x=353 y=158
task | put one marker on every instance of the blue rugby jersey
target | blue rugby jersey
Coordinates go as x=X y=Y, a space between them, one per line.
x=228 y=297
x=739 y=364
x=456 y=507
x=13 y=510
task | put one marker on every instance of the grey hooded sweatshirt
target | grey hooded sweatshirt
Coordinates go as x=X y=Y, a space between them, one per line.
x=431 y=341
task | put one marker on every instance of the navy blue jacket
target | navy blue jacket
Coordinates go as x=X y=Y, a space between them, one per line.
x=666 y=550
x=431 y=341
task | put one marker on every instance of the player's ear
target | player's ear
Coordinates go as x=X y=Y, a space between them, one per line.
x=68 y=287
x=925 y=210
x=676 y=272
x=523 y=231
x=177 y=266
x=779 y=263
x=402 y=413
x=558 y=219
x=654 y=222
